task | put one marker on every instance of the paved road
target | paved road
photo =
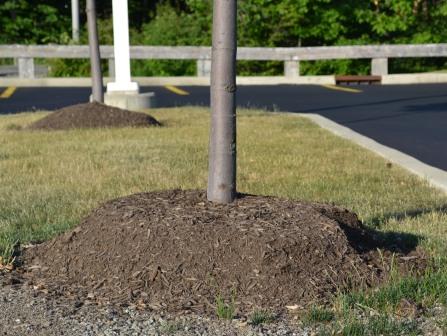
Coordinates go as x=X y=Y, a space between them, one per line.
x=410 y=118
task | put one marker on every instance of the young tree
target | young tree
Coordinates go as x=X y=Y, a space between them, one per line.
x=222 y=145
x=95 y=59
x=75 y=20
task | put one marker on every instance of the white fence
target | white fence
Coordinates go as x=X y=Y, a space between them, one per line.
x=379 y=54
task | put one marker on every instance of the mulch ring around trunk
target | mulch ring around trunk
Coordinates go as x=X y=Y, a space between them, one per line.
x=92 y=115
x=174 y=251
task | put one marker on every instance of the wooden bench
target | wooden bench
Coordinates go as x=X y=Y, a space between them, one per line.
x=358 y=79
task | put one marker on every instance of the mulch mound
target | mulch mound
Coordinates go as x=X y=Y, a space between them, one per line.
x=92 y=115
x=175 y=251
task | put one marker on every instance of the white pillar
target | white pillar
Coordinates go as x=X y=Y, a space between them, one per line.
x=75 y=20
x=122 y=82
x=203 y=68
x=379 y=66
x=26 y=67
x=291 y=69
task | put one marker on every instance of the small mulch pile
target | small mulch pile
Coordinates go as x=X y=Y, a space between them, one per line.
x=92 y=115
x=175 y=251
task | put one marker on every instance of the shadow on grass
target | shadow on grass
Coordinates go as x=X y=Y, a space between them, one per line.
x=407 y=214
x=399 y=242
x=369 y=239
x=366 y=239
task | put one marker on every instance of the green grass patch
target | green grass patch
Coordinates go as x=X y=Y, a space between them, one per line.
x=318 y=315
x=427 y=290
x=380 y=325
x=225 y=310
x=259 y=317
x=442 y=324
x=50 y=180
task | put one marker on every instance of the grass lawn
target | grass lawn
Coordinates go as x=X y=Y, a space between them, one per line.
x=50 y=180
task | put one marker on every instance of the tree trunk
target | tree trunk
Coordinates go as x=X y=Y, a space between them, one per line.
x=222 y=145
x=75 y=20
x=95 y=59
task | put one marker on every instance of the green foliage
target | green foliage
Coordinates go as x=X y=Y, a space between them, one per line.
x=170 y=28
x=225 y=310
x=442 y=324
x=379 y=325
x=286 y=23
x=73 y=67
x=319 y=315
x=291 y=23
x=81 y=67
x=22 y=21
x=261 y=316
x=7 y=255
x=336 y=67
x=425 y=291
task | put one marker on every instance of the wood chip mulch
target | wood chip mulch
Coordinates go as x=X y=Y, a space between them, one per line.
x=174 y=251
x=92 y=115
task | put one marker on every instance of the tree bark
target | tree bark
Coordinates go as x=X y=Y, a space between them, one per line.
x=95 y=58
x=75 y=20
x=222 y=144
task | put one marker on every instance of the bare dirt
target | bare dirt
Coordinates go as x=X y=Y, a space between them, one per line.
x=174 y=251
x=92 y=115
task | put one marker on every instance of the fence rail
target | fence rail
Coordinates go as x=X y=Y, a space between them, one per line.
x=379 y=54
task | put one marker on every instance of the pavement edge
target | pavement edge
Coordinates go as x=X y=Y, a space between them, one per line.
x=161 y=81
x=434 y=176
x=393 y=79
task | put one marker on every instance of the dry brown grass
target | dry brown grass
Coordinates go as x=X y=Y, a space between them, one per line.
x=49 y=180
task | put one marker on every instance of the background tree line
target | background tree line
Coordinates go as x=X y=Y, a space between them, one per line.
x=269 y=23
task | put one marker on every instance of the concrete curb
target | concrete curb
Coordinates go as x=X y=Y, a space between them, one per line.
x=161 y=81
x=435 y=176
x=421 y=78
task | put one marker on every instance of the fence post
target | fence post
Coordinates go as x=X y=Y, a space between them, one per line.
x=26 y=67
x=379 y=66
x=292 y=68
x=111 y=67
x=203 y=68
